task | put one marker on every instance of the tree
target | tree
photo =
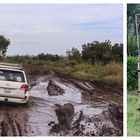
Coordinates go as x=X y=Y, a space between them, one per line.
x=74 y=54
x=4 y=43
x=132 y=9
x=117 y=52
x=47 y=56
x=97 y=52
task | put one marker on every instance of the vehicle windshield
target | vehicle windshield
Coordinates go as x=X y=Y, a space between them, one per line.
x=9 y=75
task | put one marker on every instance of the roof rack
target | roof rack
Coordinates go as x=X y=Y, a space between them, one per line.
x=10 y=66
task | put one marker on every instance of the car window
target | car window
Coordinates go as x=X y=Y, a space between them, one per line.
x=9 y=75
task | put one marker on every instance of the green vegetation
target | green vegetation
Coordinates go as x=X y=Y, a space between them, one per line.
x=133 y=118
x=132 y=76
x=110 y=73
x=98 y=61
x=132 y=9
x=103 y=52
x=4 y=43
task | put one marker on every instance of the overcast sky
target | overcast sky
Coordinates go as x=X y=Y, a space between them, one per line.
x=54 y=28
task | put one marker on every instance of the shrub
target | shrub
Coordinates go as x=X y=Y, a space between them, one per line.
x=132 y=76
x=71 y=63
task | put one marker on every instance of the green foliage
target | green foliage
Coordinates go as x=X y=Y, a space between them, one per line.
x=133 y=118
x=30 y=59
x=102 y=52
x=132 y=45
x=98 y=61
x=73 y=54
x=96 y=51
x=71 y=63
x=132 y=9
x=117 y=52
x=4 y=43
x=111 y=73
x=47 y=56
x=132 y=76
x=1 y=58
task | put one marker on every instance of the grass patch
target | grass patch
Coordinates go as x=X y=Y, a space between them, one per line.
x=111 y=73
x=83 y=75
x=133 y=118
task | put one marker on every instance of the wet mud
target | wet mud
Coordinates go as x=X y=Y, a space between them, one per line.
x=63 y=106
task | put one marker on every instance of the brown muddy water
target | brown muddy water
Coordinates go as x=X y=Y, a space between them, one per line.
x=82 y=110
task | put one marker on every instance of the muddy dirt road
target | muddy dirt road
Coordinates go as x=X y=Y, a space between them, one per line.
x=62 y=106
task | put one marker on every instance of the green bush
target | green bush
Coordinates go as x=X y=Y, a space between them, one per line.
x=133 y=118
x=132 y=76
x=71 y=63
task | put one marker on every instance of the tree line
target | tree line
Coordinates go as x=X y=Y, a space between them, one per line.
x=96 y=51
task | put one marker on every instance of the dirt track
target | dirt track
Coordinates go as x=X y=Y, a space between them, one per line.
x=97 y=109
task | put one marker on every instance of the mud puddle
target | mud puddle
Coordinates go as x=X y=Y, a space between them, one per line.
x=76 y=112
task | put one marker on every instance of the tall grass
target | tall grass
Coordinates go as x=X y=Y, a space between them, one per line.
x=111 y=73
x=133 y=118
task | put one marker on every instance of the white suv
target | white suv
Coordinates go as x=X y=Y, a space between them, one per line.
x=13 y=83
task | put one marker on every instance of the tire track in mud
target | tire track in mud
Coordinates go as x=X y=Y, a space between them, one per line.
x=95 y=113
